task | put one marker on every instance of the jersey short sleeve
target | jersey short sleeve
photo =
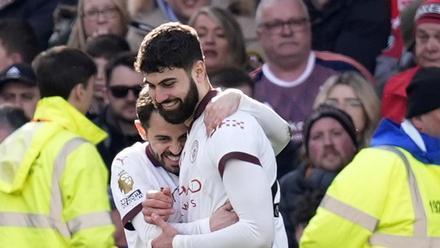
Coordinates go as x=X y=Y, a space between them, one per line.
x=127 y=183
x=237 y=137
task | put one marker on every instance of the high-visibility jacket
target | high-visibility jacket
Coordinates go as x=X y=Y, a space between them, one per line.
x=53 y=183
x=382 y=199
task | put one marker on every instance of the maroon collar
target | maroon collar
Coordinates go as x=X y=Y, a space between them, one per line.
x=202 y=105
x=151 y=156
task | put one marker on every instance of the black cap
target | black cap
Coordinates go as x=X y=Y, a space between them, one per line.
x=423 y=92
x=325 y=110
x=18 y=72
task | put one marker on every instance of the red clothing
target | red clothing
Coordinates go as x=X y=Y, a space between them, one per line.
x=394 y=96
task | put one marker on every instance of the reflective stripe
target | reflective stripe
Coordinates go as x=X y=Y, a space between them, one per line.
x=420 y=225
x=404 y=241
x=348 y=212
x=56 y=205
x=54 y=219
x=89 y=220
x=25 y=220
x=420 y=237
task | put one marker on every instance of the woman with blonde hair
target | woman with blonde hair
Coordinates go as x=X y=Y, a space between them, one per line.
x=97 y=17
x=221 y=38
x=353 y=94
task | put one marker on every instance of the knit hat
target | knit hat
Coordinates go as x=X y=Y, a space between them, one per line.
x=423 y=92
x=428 y=12
x=325 y=110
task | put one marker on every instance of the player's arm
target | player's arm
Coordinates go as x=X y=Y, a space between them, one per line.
x=246 y=185
x=228 y=102
x=158 y=202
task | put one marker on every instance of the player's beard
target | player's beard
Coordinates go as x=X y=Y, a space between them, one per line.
x=185 y=108
x=169 y=168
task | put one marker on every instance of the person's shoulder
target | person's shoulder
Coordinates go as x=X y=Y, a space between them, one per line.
x=130 y=155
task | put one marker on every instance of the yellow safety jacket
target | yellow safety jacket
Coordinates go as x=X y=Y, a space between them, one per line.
x=53 y=182
x=384 y=198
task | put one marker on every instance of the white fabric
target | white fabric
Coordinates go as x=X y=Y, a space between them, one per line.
x=412 y=132
x=276 y=128
x=301 y=79
x=246 y=185
x=133 y=165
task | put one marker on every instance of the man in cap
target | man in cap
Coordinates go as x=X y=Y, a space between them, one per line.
x=427 y=54
x=388 y=196
x=18 y=87
x=330 y=144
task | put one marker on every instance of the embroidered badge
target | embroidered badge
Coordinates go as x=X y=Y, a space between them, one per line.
x=125 y=182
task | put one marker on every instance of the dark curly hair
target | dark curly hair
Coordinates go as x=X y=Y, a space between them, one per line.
x=171 y=45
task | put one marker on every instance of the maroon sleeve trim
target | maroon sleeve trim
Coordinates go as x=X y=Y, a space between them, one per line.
x=131 y=214
x=239 y=156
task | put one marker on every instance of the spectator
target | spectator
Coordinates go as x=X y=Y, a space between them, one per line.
x=231 y=77
x=95 y=18
x=102 y=49
x=37 y=13
x=354 y=95
x=329 y=143
x=399 y=55
x=384 y=197
x=18 y=86
x=117 y=119
x=305 y=207
x=64 y=17
x=51 y=173
x=292 y=75
x=350 y=28
x=221 y=37
x=18 y=43
x=427 y=54
x=146 y=15
x=11 y=118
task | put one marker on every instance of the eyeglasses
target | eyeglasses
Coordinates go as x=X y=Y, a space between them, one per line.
x=347 y=102
x=294 y=24
x=107 y=13
x=120 y=91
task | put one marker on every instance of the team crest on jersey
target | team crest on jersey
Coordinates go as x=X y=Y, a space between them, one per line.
x=194 y=151
x=125 y=182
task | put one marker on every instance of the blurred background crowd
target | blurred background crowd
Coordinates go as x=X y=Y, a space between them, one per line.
x=330 y=68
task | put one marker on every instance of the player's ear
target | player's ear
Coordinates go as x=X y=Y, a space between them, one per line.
x=199 y=71
x=141 y=130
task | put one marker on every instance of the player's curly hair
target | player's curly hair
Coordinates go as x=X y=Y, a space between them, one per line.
x=171 y=45
x=144 y=107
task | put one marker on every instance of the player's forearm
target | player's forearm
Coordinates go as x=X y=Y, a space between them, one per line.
x=195 y=227
x=276 y=128
x=255 y=225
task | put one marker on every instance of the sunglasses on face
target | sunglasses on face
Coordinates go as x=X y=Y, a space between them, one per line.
x=122 y=91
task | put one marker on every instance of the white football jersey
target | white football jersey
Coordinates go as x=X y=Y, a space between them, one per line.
x=202 y=190
x=134 y=172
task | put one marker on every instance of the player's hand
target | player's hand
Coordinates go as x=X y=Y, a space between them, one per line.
x=158 y=202
x=224 y=216
x=165 y=239
x=220 y=107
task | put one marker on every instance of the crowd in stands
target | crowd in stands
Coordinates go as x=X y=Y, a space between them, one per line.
x=339 y=72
